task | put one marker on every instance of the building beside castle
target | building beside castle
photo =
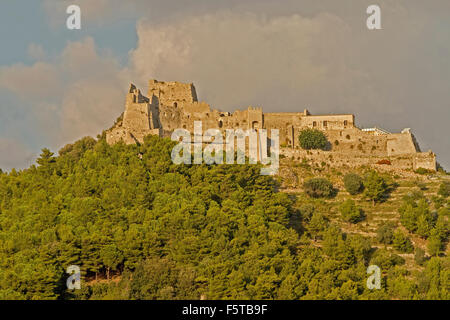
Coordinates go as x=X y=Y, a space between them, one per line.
x=172 y=105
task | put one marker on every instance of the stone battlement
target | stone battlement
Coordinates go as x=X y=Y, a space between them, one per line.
x=173 y=105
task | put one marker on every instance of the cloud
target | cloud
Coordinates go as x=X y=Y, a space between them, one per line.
x=36 y=82
x=12 y=152
x=240 y=59
x=36 y=52
x=78 y=93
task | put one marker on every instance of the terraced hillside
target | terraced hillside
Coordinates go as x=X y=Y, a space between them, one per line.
x=401 y=186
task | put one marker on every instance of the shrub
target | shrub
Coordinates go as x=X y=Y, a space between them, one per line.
x=419 y=256
x=444 y=189
x=402 y=243
x=317 y=224
x=336 y=142
x=423 y=171
x=353 y=183
x=435 y=244
x=385 y=259
x=438 y=202
x=312 y=139
x=384 y=161
x=319 y=188
x=421 y=185
x=306 y=211
x=350 y=211
x=385 y=233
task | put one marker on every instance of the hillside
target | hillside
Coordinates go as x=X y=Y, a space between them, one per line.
x=141 y=227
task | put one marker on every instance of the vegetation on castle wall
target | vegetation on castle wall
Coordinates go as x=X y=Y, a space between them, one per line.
x=423 y=171
x=312 y=139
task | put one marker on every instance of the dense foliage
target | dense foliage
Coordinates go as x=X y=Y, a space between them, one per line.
x=319 y=188
x=312 y=139
x=141 y=227
x=416 y=217
x=444 y=189
x=351 y=212
x=385 y=233
x=353 y=183
x=375 y=187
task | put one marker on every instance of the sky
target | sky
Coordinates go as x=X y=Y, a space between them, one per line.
x=58 y=85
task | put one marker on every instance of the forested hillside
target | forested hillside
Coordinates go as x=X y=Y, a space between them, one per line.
x=141 y=227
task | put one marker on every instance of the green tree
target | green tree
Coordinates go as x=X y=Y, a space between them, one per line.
x=419 y=256
x=350 y=211
x=46 y=158
x=444 y=189
x=402 y=243
x=318 y=188
x=46 y=162
x=312 y=139
x=353 y=183
x=435 y=244
x=306 y=211
x=386 y=259
x=317 y=224
x=385 y=233
x=424 y=225
x=375 y=187
x=111 y=257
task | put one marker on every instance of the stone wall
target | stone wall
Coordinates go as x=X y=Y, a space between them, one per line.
x=173 y=105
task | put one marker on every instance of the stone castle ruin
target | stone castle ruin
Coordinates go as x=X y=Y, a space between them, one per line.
x=172 y=105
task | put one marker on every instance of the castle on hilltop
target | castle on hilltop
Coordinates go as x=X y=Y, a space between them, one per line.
x=172 y=105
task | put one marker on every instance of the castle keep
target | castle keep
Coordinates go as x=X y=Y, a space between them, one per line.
x=172 y=105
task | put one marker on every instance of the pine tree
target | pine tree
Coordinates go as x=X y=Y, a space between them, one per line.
x=375 y=187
